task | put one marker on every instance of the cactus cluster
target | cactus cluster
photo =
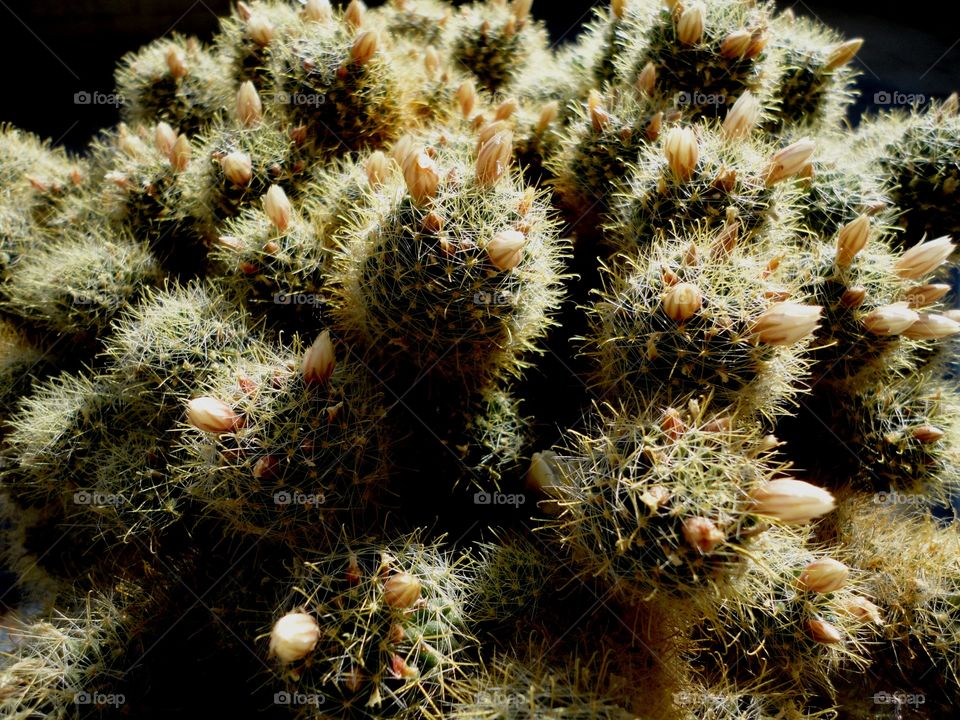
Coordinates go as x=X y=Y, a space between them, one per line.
x=390 y=362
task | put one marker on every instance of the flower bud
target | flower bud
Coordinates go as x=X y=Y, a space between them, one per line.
x=494 y=158
x=521 y=10
x=647 y=79
x=790 y=501
x=852 y=239
x=923 y=258
x=681 y=302
x=378 y=168
x=928 y=434
x=789 y=161
x=504 y=110
x=682 y=152
x=618 y=8
x=249 y=107
x=238 y=168
x=421 y=175
x=691 y=24
x=735 y=45
x=505 y=250
x=317 y=11
x=853 y=297
x=401 y=590
x=164 y=138
x=743 y=116
x=467 y=97
x=354 y=13
x=862 y=609
x=824 y=576
x=176 y=63
x=212 y=415
x=431 y=61
x=923 y=295
x=786 y=323
x=294 y=636
x=260 y=30
x=548 y=113
x=320 y=360
x=277 y=207
x=823 y=632
x=599 y=117
x=843 y=53
x=702 y=534
x=932 y=327
x=180 y=155
x=364 y=47
x=890 y=319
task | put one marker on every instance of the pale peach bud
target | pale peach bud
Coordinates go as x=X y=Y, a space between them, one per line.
x=671 y=422
x=294 y=636
x=924 y=257
x=758 y=42
x=317 y=11
x=932 y=327
x=790 y=160
x=702 y=534
x=599 y=117
x=618 y=8
x=176 y=63
x=378 y=168
x=505 y=109
x=431 y=61
x=421 y=175
x=130 y=144
x=467 y=97
x=928 y=434
x=505 y=250
x=230 y=242
x=862 y=609
x=491 y=129
x=949 y=108
x=364 y=47
x=211 y=415
x=854 y=297
x=923 y=295
x=548 y=113
x=824 y=632
x=164 y=138
x=682 y=152
x=785 y=323
x=541 y=476
x=647 y=79
x=736 y=44
x=265 y=467
x=682 y=302
x=851 y=239
x=691 y=24
x=401 y=590
x=653 y=128
x=260 y=30
x=743 y=116
x=790 y=501
x=238 y=167
x=355 y=13
x=493 y=160
x=843 y=53
x=244 y=10
x=824 y=576
x=402 y=148
x=180 y=155
x=320 y=360
x=890 y=319
x=277 y=207
x=249 y=106
x=121 y=180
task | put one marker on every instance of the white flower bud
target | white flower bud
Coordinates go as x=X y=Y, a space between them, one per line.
x=824 y=576
x=364 y=47
x=277 y=207
x=401 y=590
x=789 y=161
x=249 y=106
x=294 y=636
x=164 y=138
x=421 y=175
x=890 y=319
x=320 y=360
x=932 y=327
x=691 y=24
x=682 y=152
x=785 y=323
x=682 y=301
x=494 y=158
x=924 y=257
x=238 y=167
x=212 y=415
x=852 y=239
x=743 y=116
x=505 y=250
x=790 y=501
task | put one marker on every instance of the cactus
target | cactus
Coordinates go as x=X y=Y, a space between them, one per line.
x=372 y=630
x=174 y=80
x=302 y=444
x=661 y=501
x=697 y=318
x=455 y=276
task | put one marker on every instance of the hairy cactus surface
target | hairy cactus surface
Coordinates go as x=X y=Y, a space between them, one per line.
x=405 y=362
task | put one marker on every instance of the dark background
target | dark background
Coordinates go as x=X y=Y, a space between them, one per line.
x=56 y=48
